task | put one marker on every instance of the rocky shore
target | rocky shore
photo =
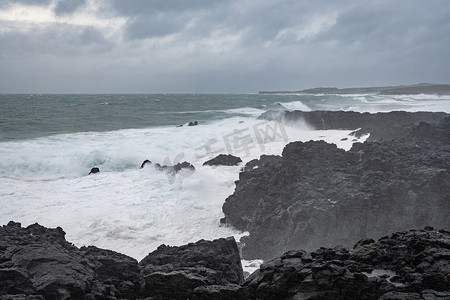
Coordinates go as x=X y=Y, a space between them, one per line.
x=316 y=194
x=413 y=89
x=312 y=213
x=380 y=126
x=38 y=263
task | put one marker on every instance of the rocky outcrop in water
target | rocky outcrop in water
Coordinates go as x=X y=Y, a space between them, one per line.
x=318 y=195
x=380 y=126
x=223 y=160
x=38 y=263
x=94 y=170
x=172 y=170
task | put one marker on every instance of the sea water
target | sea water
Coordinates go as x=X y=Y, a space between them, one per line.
x=48 y=144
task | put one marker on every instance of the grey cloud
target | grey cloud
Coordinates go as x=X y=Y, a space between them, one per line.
x=8 y=3
x=64 y=40
x=153 y=26
x=224 y=46
x=68 y=6
x=146 y=7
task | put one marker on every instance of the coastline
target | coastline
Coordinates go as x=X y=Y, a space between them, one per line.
x=415 y=89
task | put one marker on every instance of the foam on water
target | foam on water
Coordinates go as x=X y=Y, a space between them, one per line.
x=295 y=105
x=125 y=208
x=134 y=210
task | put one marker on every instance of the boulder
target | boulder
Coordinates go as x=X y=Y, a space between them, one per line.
x=223 y=160
x=175 y=272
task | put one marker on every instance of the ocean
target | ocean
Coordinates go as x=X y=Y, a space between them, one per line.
x=49 y=143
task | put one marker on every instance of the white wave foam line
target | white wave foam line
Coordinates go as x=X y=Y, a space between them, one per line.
x=295 y=105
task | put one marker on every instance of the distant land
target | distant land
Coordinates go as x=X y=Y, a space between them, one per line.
x=414 y=89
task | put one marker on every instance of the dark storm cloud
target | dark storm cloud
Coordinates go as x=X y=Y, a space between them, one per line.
x=229 y=45
x=61 y=40
x=68 y=6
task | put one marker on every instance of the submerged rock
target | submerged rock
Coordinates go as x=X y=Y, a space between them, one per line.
x=183 y=166
x=223 y=160
x=172 y=170
x=94 y=170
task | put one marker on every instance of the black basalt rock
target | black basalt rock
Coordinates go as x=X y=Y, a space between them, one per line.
x=94 y=170
x=175 y=272
x=316 y=194
x=223 y=160
x=145 y=162
x=387 y=269
x=38 y=263
x=183 y=166
x=381 y=126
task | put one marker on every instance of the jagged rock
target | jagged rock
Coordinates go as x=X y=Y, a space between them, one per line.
x=172 y=170
x=174 y=272
x=145 y=162
x=183 y=166
x=318 y=195
x=223 y=160
x=381 y=126
x=38 y=261
x=94 y=170
x=436 y=133
x=195 y=123
x=391 y=268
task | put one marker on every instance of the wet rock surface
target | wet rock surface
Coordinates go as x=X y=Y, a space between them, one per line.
x=403 y=265
x=381 y=126
x=223 y=160
x=171 y=271
x=38 y=263
x=316 y=194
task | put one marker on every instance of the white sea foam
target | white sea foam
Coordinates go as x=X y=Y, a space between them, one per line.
x=134 y=210
x=373 y=103
x=295 y=105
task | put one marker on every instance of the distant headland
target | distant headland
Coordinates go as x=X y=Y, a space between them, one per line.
x=421 y=88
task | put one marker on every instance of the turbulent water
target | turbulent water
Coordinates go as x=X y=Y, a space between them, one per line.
x=48 y=144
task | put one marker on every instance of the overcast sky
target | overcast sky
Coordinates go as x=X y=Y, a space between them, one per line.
x=151 y=46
